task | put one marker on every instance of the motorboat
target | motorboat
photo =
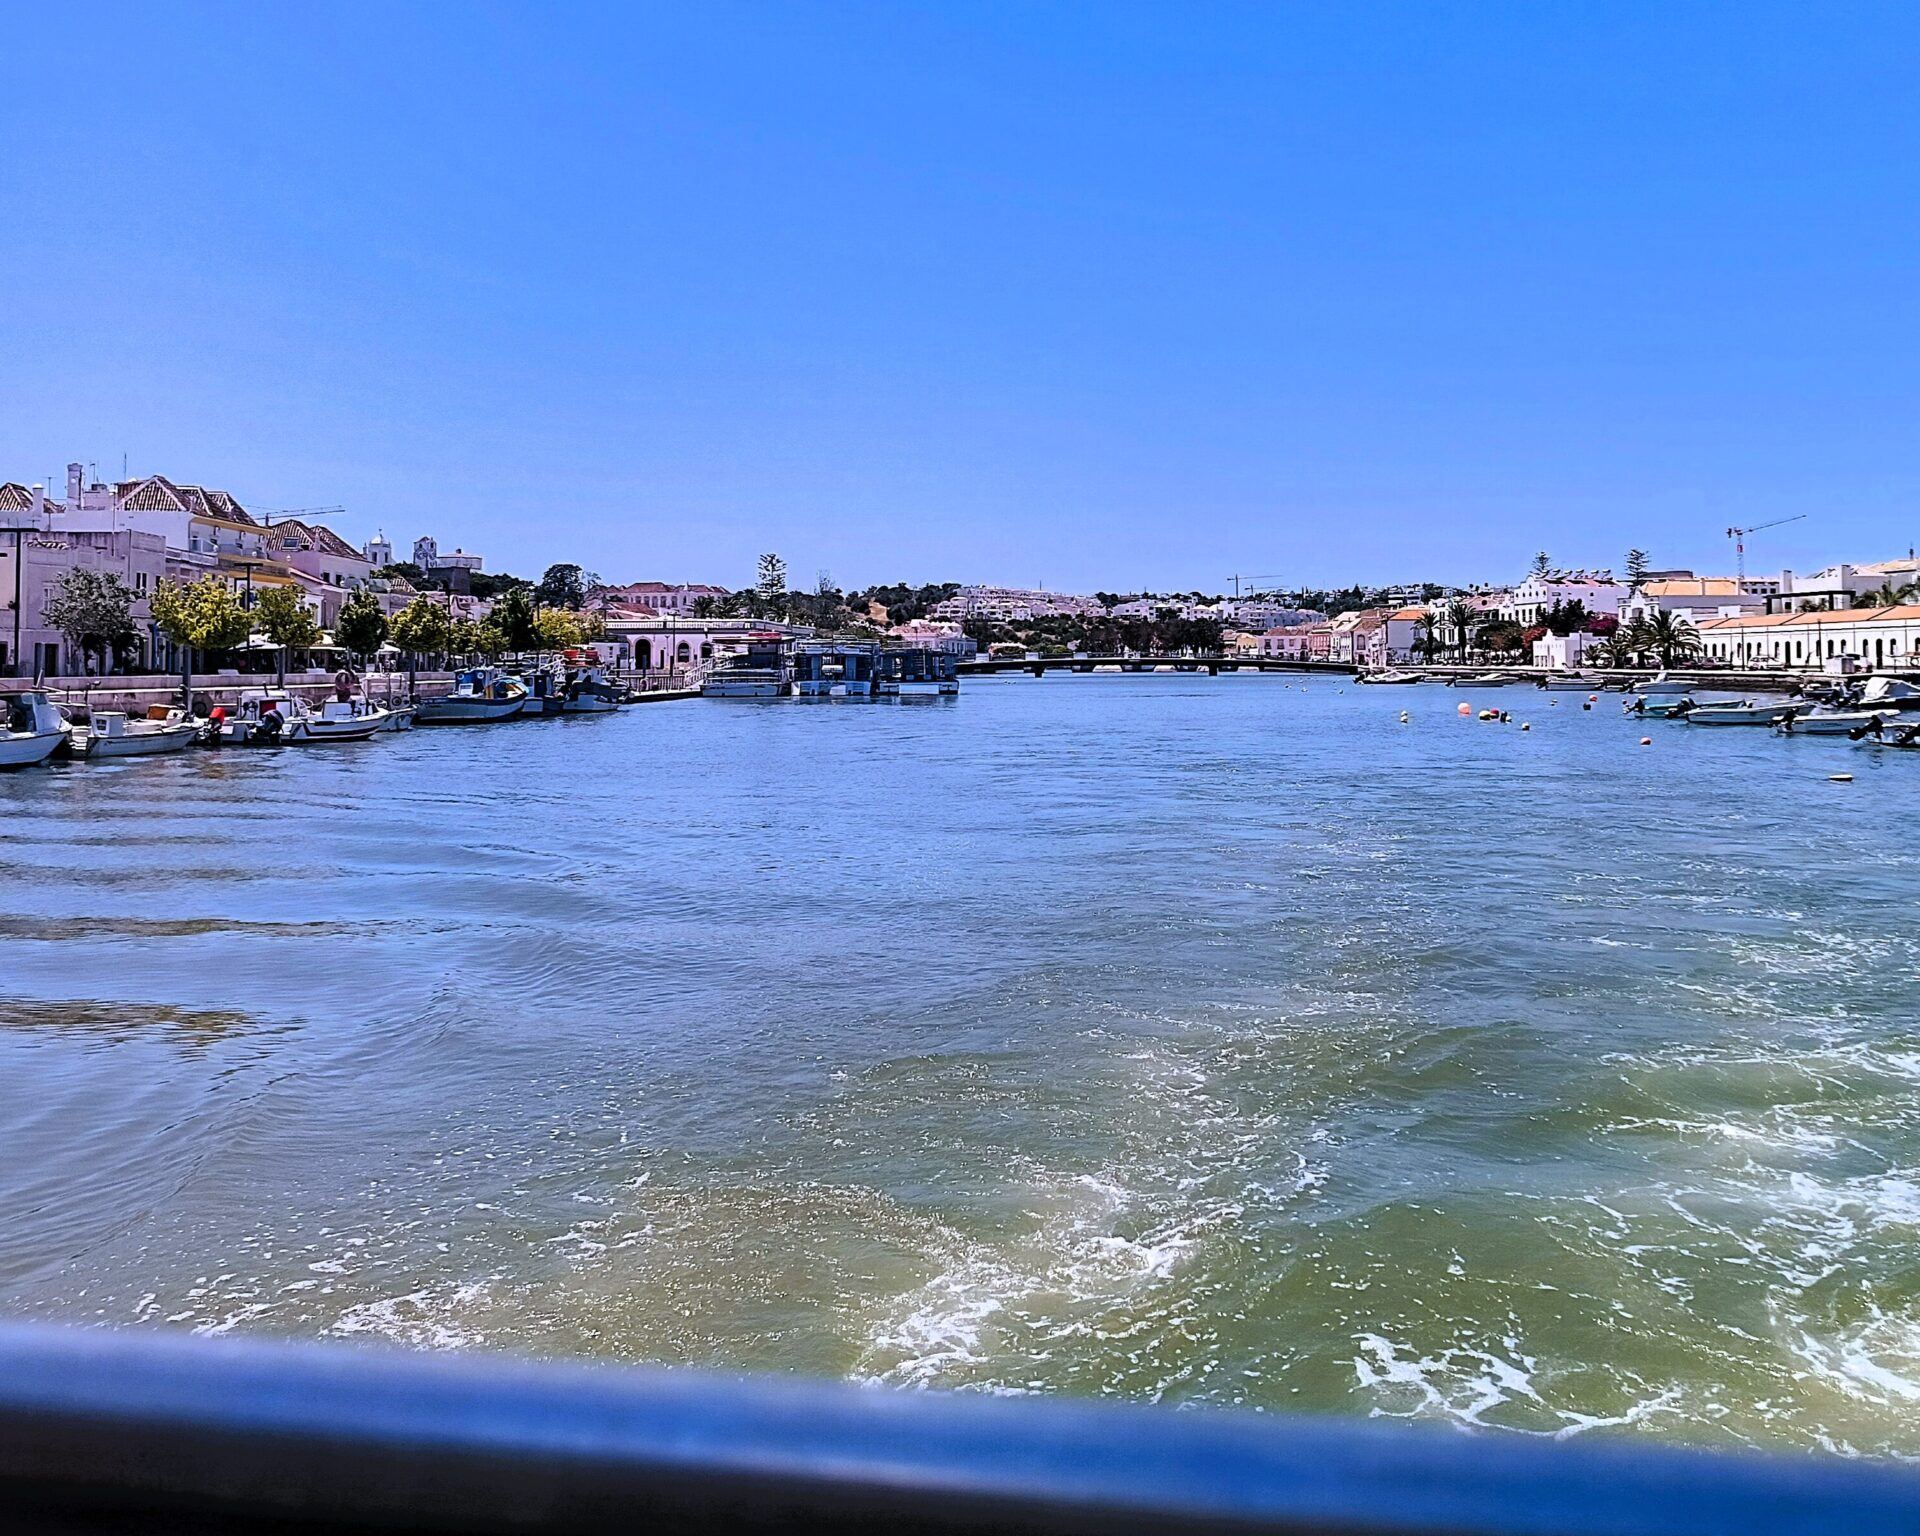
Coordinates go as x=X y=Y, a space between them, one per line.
x=1834 y=722
x=1661 y=684
x=589 y=691
x=1738 y=712
x=34 y=731
x=546 y=691
x=1883 y=693
x=110 y=733
x=1389 y=676
x=273 y=716
x=1660 y=707
x=480 y=695
x=1566 y=682
x=1486 y=680
x=1891 y=736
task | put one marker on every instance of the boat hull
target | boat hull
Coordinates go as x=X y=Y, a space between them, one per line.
x=173 y=738
x=591 y=704
x=24 y=750
x=451 y=711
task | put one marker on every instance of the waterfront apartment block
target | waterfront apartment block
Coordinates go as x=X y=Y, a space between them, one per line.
x=1012 y=604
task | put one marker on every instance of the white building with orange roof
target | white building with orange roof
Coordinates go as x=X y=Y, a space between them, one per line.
x=1871 y=638
x=1697 y=598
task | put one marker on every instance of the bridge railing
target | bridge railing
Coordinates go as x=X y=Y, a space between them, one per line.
x=119 y=1431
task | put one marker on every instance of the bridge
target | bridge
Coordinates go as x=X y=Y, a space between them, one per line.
x=1213 y=665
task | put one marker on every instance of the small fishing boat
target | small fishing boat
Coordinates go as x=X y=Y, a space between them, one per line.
x=1486 y=680
x=546 y=691
x=1659 y=685
x=1738 y=712
x=1387 y=677
x=480 y=695
x=34 y=731
x=1833 y=722
x=1566 y=682
x=272 y=716
x=109 y=733
x=1660 y=707
x=589 y=691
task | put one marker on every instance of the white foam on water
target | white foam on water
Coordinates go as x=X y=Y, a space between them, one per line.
x=424 y=1319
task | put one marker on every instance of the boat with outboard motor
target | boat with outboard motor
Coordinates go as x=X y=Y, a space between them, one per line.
x=1486 y=680
x=274 y=717
x=1389 y=676
x=589 y=691
x=1738 y=712
x=1833 y=722
x=1566 y=682
x=1659 y=707
x=1888 y=693
x=110 y=733
x=480 y=696
x=1661 y=684
x=34 y=730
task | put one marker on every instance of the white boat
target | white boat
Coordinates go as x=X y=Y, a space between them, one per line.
x=1566 y=682
x=1660 y=683
x=1661 y=707
x=399 y=717
x=1882 y=693
x=1738 y=712
x=589 y=691
x=1485 y=680
x=479 y=696
x=34 y=731
x=109 y=733
x=1390 y=676
x=269 y=716
x=1835 y=722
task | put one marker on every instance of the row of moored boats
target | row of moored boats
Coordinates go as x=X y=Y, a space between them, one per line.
x=1883 y=711
x=37 y=729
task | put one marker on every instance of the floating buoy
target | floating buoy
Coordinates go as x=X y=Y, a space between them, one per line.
x=1526 y=725
x=1465 y=710
x=1646 y=741
x=1840 y=778
x=1403 y=717
x=1593 y=698
x=1588 y=706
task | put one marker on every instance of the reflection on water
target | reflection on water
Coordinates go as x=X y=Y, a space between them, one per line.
x=1183 y=1039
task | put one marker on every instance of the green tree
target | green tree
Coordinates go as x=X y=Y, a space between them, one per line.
x=563 y=586
x=422 y=628
x=1887 y=595
x=1670 y=638
x=205 y=617
x=771 y=583
x=1428 y=644
x=283 y=617
x=1541 y=564
x=361 y=627
x=513 y=614
x=556 y=629
x=1459 y=618
x=1636 y=569
x=93 y=609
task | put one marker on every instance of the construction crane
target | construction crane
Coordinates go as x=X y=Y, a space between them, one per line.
x=302 y=512
x=1739 y=537
x=1236 y=580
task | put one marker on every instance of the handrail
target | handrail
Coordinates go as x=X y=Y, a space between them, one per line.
x=104 y=1431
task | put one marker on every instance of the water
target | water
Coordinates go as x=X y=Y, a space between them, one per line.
x=1179 y=1039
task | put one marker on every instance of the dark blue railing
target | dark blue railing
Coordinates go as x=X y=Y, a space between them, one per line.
x=109 y=1431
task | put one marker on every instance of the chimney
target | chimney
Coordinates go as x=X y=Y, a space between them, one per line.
x=40 y=506
x=73 y=487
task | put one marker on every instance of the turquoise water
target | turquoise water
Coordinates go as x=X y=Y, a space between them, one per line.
x=1172 y=1038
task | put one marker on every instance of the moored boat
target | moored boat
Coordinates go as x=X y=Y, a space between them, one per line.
x=1660 y=707
x=589 y=691
x=1884 y=693
x=1738 y=712
x=1485 y=680
x=1661 y=684
x=1388 y=676
x=34 y=731
x=273 y=716
x=109 y=733
x=1833 y=722
x=480 y=695
x=1566 y=682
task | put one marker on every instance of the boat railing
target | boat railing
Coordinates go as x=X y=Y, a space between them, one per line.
x=109 y=1431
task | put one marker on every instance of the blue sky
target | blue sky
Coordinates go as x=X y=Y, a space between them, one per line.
x=1091 y=295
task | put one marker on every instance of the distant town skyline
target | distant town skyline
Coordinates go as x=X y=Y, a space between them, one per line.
x=1135 y=297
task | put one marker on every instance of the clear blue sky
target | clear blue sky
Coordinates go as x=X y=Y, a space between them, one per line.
x=1095 y=295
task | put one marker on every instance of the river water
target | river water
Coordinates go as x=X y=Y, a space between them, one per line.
x=1170 y=1038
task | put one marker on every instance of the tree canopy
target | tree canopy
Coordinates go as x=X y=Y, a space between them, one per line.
x=284 y=618
x=422 y=627
x=563 y=586
x=361 y=627
x=93 y=609
x=203 y=617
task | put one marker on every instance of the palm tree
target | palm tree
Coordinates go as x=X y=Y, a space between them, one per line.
x=1671 y=637
x=1459 y=618
x=1429 y=642
x=1887 y=595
